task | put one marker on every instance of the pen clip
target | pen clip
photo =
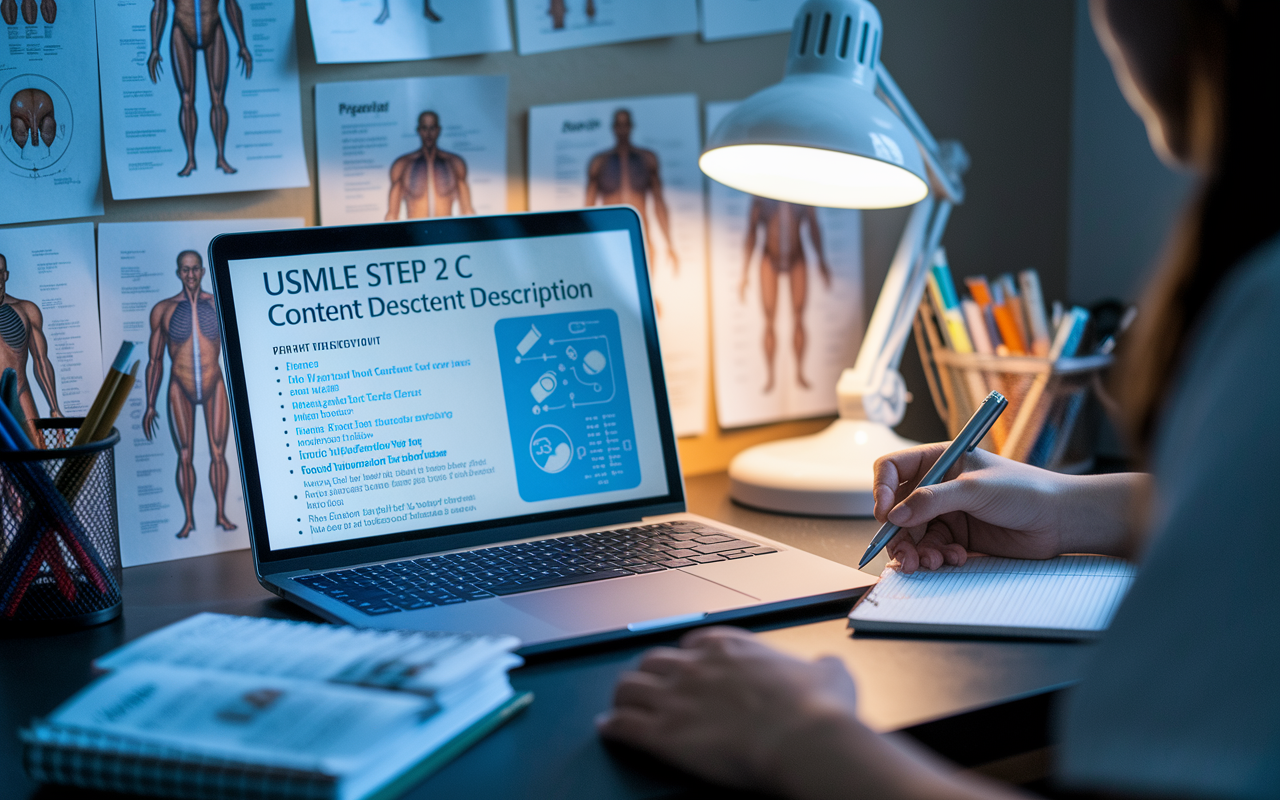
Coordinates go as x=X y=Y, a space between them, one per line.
x=1001 y=402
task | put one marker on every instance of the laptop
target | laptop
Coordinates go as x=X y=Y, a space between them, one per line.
x=462 y=425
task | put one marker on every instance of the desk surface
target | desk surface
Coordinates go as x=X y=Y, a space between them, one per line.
x=551 y=750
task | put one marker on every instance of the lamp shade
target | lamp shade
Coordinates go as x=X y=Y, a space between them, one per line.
x=821 y=137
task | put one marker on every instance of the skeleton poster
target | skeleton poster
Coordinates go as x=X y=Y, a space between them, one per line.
x=735 y=19
x=641 y=151
x=199 y=97
x=49 y=317
x=543 y=25
x=177 y=474
x=50 y=140
x=786 y=303
x=411 y=148
x=346 y=31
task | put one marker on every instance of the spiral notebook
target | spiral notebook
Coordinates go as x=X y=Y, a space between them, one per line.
x=1069 y=597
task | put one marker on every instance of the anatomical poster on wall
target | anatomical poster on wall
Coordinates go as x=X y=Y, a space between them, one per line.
x=641 y=151
x=786 y=303
x=177 y=470
x=199 y=97
x=735 y=19
x=49 y=317
x=411 y=148
x=50 y=139
x=347 y=31
x=543 y=25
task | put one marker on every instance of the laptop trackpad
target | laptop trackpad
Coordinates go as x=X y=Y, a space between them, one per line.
x=615 y=604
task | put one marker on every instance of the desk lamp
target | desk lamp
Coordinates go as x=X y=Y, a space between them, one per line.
x=838 y=132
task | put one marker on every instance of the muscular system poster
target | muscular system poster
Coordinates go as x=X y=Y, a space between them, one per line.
x=50 y=140
x=199 y=96
x=786 y=302
x=49 y=317
x=411 y=148
x=346 y=31
x=177 y=474
x=543 y=25
x=641 y=151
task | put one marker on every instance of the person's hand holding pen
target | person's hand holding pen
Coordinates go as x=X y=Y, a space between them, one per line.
x=994 y=506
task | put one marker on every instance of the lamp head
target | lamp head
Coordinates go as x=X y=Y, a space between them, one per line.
x=821 y=137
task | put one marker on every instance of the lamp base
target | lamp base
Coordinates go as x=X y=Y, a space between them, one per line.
x=829 y=473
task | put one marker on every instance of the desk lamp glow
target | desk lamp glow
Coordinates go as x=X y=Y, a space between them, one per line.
x=837 y=132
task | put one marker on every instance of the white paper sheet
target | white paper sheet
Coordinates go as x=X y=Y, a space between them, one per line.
x=830 y=315
x=565 y=141
x=345 y=31
x=51 y=288
x=144 y=301
x=543 y=25
x=50 y=140
x=146 y=144
x=735 y=19
x=365 y=128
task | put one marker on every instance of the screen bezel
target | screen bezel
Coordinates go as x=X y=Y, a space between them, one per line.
x=229 y=247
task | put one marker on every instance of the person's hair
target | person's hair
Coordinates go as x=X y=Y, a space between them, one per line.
x=199 y=260
x=1232 y=84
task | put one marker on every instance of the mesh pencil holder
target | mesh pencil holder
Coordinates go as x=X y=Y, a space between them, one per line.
x=1054 y=409
x=59 y=534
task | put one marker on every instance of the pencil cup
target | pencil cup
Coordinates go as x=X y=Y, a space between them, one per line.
x=59 y=534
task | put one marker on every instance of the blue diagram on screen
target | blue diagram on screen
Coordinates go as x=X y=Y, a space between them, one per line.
x=565 y=386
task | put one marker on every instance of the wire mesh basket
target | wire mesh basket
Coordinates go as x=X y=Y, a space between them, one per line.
x=1054 y=410
x=59 y=534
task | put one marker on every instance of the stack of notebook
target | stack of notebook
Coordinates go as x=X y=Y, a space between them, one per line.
x=220 y=707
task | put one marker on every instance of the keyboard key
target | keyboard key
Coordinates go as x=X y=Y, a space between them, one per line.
x=644 y=568
x=548 y=583
x=676 y=562
x=713 y=538
x=732 y=544
x=739 y=554
x=707 y=559
x=682 y=553
x=760 y=550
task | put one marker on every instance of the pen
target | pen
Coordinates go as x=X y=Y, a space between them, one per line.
x=970 y=435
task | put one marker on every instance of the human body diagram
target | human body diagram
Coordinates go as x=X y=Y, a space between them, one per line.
x=782 y=257
x=186 y=325
x=426 y=12
x=22 y=335
x=32 y=117
x=48 y=9
x=429 y=181
x=559 y=10
x=197 y=27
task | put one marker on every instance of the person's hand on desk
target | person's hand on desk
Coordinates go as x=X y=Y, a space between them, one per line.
x=1000 y=507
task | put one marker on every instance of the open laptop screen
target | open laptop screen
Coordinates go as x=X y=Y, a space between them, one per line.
x=457 y=374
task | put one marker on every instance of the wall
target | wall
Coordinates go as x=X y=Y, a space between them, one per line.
x=995 y=74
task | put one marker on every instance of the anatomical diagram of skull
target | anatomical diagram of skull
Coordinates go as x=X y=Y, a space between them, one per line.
x=9 y=10
x=31 y=118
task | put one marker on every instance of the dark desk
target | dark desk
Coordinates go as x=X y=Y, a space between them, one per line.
x=968 y=698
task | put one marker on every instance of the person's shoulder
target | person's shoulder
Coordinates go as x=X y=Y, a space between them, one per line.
x=649 y=156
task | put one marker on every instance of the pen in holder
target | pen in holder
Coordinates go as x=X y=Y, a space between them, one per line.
x=59 y=534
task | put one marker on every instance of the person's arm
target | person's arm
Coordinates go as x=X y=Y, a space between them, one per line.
x=155 y=368
x=41 y=364
x=159 y=14
x=815 y=235
x=394 y=196
x=660 y=206
x=749 y=247
x=464 y=191
x=236 y=18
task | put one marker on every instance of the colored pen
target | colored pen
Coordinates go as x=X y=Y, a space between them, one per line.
x=970 y=435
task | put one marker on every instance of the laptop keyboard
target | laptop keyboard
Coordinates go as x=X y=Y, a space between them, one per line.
x=528 y=566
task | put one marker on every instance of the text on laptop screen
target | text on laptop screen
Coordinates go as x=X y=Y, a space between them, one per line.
x=422 y=387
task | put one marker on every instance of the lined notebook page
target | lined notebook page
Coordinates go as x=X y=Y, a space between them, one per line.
x=1068 y=593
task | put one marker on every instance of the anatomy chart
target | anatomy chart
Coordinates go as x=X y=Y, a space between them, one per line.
x=346 y=31
x=735 y=19
x=49 y=317
x=641 y=151
x=543 y=25
x=411 y=148
x=786 y=303
x=199 y=97
x=50 y=140
x=177 y=470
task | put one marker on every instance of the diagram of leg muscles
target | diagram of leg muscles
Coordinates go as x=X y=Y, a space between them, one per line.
x=199 y=97
x=49 y=317
x=567 y=404
x=642 y=152
x=346 y=31
x=411 y=148
x=177 y=475
x=786 y=300
x=543 y=25
x=50 y=141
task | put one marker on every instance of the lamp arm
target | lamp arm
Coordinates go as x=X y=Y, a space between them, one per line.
x=873 y=389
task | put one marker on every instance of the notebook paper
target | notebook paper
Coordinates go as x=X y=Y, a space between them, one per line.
x=1064 y=597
